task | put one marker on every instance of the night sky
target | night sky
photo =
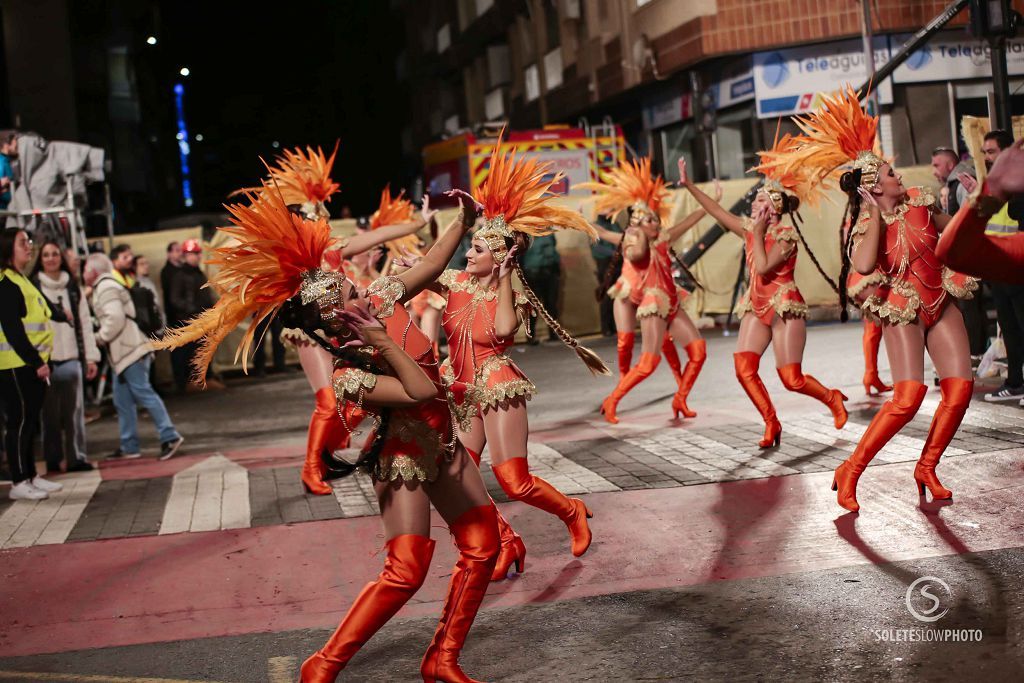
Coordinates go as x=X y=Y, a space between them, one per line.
x=299 y=73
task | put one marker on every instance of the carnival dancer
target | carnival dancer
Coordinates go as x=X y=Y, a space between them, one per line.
x=426 y=306
x=480 y=320
x=895 y=230
x=413 y=456
x=772 y=310
x=646 y=291
x=303 y=180
x=964 y=244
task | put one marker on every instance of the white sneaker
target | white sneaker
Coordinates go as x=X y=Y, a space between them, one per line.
x=47 y=486
x=26 y=491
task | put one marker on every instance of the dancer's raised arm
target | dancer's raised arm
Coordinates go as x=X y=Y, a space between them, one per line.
x=368 y=240
x=726 y=219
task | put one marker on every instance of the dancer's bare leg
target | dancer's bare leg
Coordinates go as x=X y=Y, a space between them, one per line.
x=789 y=338
x=507 y=431
x=753 y=341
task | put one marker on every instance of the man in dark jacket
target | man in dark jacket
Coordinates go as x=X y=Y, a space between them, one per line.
x=543 y=269
x=188 y=298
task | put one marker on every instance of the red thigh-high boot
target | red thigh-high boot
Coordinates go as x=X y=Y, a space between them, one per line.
x=746 y=363
x=624 y=344
x=513 y=550
x=405 y=568
x=326 y=432
x=475 y=534
x=668 y=349
x=794 y=379
x=697 y=350
x=872 y=340
x=956 y=395
x=893 y=416
x=516 y=481
x=648 y=362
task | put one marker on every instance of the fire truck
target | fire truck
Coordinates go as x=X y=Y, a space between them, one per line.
x=581 y=154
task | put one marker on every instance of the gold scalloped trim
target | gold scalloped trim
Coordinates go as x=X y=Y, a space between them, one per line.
x=783 y=233
x=389 y=289
x=875 y=278
x=350 y=383
x=794 y=309
x=966 y=291
x=410 y=430
x=471 y=285
x=661 y=307
x=885 y=311
x=484 y=396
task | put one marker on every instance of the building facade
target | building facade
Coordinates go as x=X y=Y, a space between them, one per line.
x=703 y=79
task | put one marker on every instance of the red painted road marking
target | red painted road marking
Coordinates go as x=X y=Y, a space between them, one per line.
x=156 y=589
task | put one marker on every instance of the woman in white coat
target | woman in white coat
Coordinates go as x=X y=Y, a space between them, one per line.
x=75 y=357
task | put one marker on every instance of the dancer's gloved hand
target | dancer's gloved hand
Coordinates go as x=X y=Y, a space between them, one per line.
x=508 y=264
x=360 y=319
x=471 y=207
x=407 y=259
x=683 y=178
x=426 y=213
x=760 y=220
x=867 y=196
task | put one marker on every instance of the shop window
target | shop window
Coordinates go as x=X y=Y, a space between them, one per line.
x=735 y=148
x=676 y=141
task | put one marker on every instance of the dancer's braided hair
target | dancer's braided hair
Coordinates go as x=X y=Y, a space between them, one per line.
x=589 y=358
x=849 y=182
x=307 y=318
x=609 y=275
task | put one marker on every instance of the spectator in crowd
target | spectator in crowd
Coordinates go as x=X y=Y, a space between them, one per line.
x=604 y=258
x=179 y=356
x=1009 y=299
x=123 y=260
x=944 y=160
x=951 y=173
x=189 y=298
x=130 y=359
x=8 y=151
x=26 y=341
x=74 y=349
x=543 y=268
x=140 y=267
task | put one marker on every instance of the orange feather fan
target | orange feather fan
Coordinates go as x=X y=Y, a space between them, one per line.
x=834 y=135
x=300 y=177
x=259 y=270
x=798 y=179
x=393 y=211
x=519 y=190
x=630 y=183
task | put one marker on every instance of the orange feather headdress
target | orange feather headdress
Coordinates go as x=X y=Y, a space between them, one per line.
x=393 y=211
x=303 y=178
x=631 y=185
x=838 y=133
x=515 y=198
x=274 y=255
x=784 y=176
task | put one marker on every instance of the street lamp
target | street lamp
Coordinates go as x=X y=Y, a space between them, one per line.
x=184 y=71
x=151 y=40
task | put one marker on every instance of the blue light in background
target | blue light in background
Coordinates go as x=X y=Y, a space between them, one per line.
x=183 y=148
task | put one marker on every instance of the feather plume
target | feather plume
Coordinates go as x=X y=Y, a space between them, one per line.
x=629 y=183
x=518 y=188
x=394 y=211
x=259 y=270
x=300 y=177
x=832 y=136
x=798 y=179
